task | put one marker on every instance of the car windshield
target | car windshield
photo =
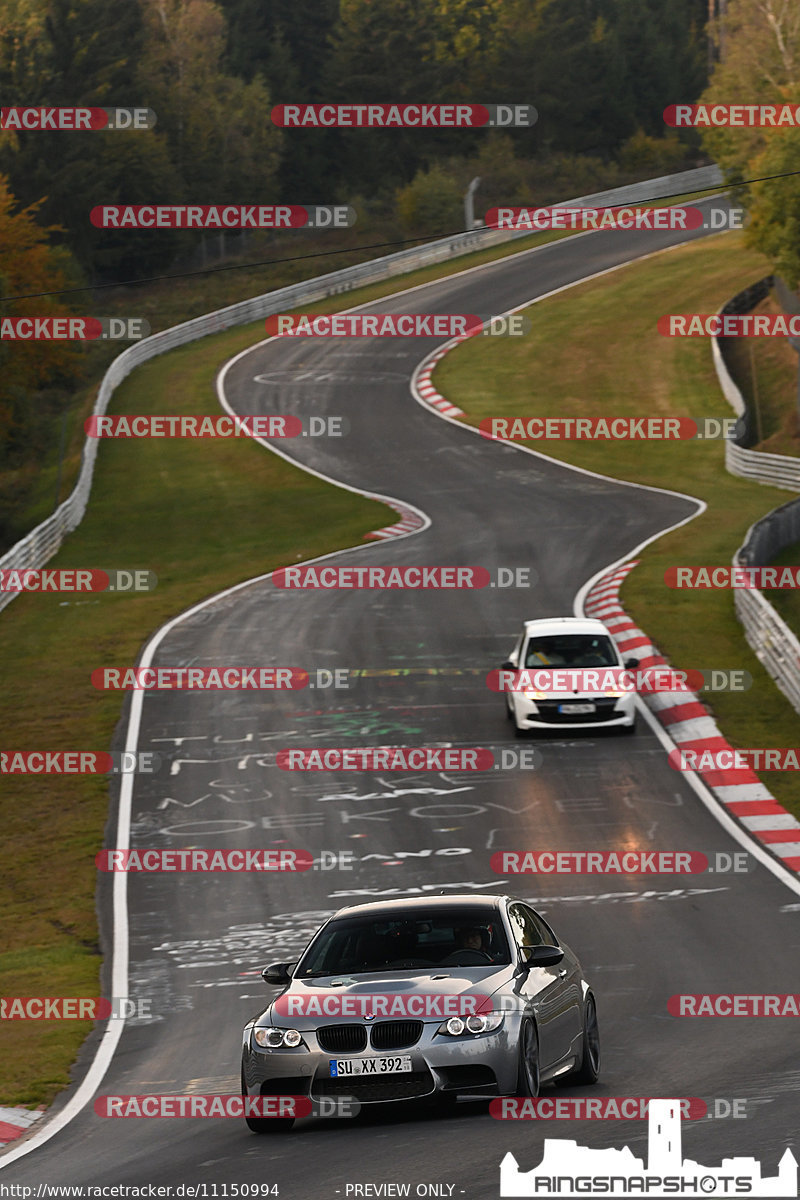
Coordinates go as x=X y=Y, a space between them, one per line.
x=571 y=650
x=407 y=941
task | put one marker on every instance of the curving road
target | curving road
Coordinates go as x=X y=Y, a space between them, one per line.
x=198 y=942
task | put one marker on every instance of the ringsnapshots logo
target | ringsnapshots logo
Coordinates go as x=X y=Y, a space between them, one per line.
x=567 y=1169
x=403 y=116
x=73 y=120
x=73 y=329
x=222 y=216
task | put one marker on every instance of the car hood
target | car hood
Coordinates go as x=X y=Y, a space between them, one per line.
x=448 y=981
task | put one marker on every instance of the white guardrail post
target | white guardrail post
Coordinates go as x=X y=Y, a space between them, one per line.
x=42 y=542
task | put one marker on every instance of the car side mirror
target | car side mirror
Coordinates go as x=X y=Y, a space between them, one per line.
x=540 y=956
x=278 y=973
x=508 y=666
x=630 y=663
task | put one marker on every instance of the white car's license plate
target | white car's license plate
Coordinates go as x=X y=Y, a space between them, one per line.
x=576 y=708
x=370 y=1066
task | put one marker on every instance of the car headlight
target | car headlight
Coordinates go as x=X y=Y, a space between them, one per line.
x=530 y=694
x=479 y=1023
x=269 y=1036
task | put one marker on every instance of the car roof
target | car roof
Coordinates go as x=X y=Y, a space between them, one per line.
x=423 y=904
x=565 y=625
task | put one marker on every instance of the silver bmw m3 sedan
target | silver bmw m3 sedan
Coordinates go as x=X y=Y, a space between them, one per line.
x=422 y=998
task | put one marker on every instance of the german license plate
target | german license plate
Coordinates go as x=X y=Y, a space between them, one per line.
x=370 y=1066
x=576 y=708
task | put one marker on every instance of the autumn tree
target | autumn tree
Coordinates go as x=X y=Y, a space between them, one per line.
x=218 y=126
x=761 y=65
x=29 y=264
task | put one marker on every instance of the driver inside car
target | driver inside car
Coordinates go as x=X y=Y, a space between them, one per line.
x=469 y=939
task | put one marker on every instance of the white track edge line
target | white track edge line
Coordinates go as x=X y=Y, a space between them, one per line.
x=113 y=1032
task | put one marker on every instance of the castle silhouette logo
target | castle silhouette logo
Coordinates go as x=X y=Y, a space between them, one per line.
x=568 y=1169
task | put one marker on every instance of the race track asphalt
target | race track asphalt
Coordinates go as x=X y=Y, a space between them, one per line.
x=198 y=941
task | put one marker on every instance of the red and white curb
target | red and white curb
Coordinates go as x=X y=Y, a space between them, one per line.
x=691 y=726
x=410 y=520
x=16 y=1121
x=425 y=389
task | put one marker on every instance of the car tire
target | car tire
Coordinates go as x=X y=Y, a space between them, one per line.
x=589 y=1070
x=629 y=729
x=266 y=1124
x=528 y=1064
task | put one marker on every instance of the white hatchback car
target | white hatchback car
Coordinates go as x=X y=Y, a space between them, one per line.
x=563 y=644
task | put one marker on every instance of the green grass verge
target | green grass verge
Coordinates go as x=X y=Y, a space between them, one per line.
x=765 y=371
x=150 y=498
x=168 y=303
x=594 y=351
x=786 y=603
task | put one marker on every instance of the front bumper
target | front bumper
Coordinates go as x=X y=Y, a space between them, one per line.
x=477 y=1065
x=544 y=714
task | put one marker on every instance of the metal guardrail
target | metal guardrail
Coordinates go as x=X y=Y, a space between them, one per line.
x=778 y=470
x=42 y=542
x=768 y=635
